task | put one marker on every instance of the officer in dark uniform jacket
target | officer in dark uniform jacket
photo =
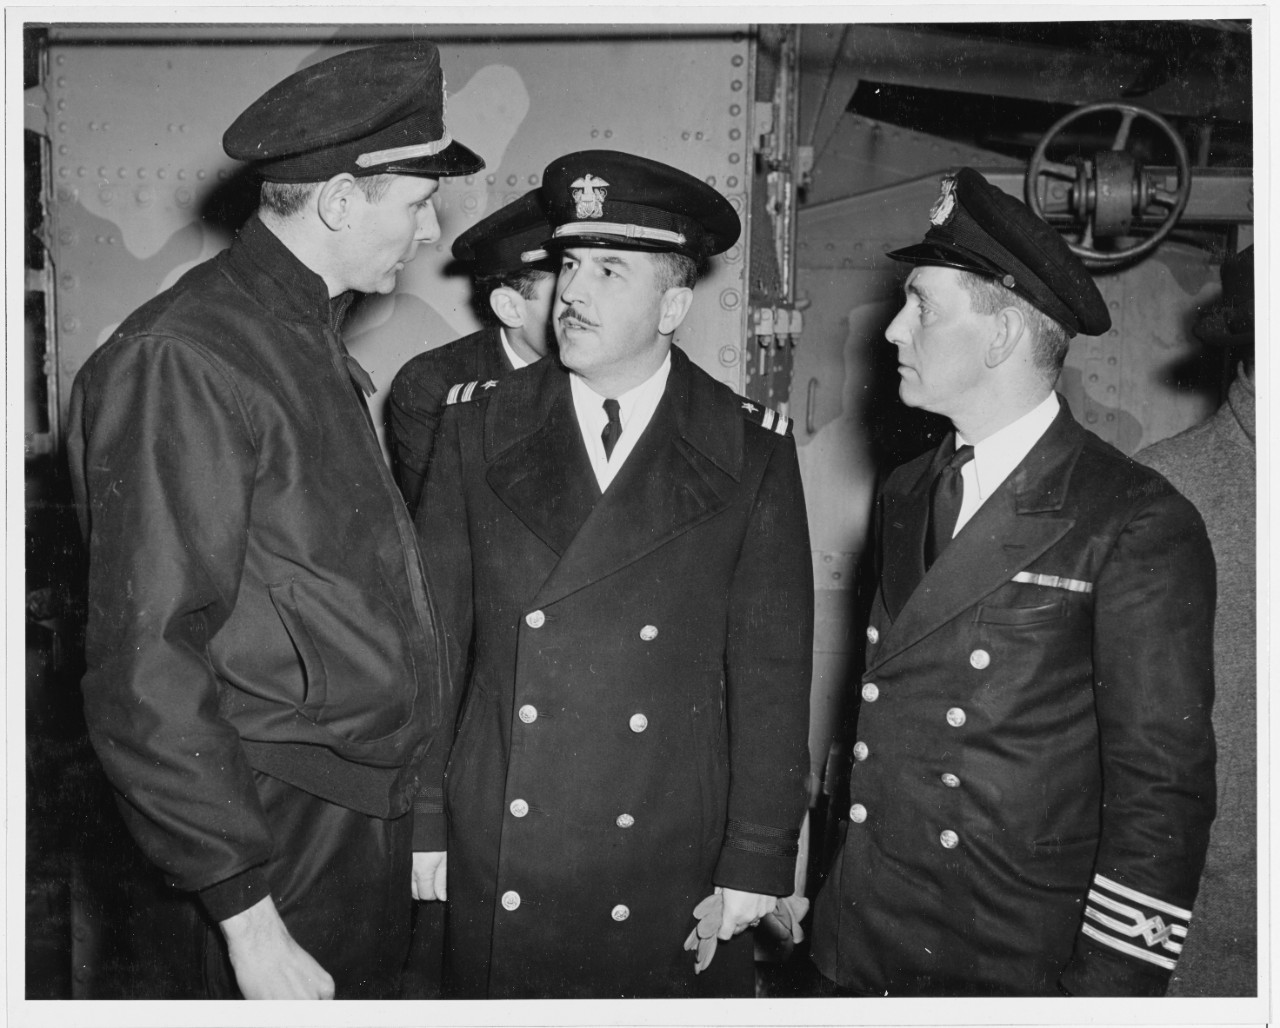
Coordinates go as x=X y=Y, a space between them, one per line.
x=1032 y=780
x=265 y=667
x=634 y=735
x=514 y=279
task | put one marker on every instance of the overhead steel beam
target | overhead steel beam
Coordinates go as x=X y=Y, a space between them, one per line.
x=935 y=58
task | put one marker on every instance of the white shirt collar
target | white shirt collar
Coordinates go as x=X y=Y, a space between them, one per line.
x=997 y=455
x=635 y=411
x=517 y=362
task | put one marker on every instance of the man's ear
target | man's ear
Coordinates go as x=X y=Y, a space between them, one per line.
x=509 y=306
x=334 y=201
x=1010 y=330
x=673 y=307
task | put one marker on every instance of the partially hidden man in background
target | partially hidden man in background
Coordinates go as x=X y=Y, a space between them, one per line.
x=1033 y=772
x=266 y=669
x=1213 y=465
x=513 y=284
x=620 y=542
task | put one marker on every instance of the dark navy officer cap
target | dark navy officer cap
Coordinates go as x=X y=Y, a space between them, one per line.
x=507 y=240
x=379 y=110
x=980 y=228
x=621 y=200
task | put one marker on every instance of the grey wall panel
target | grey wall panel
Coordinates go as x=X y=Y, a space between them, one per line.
x=141 y=190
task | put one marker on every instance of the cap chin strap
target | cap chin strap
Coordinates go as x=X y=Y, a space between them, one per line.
x=404 y=153
x=614 y=228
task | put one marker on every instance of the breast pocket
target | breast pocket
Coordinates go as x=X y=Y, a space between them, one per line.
x=1034 y=615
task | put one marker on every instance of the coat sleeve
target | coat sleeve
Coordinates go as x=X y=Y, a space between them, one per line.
x=445 y=542
x=1153 y=687
x=769 y=662
x=413 y=415
x=163 y=465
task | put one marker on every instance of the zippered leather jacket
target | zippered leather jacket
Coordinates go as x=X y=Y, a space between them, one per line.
x=256 y=597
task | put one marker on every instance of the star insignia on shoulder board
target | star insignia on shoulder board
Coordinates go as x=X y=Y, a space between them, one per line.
x=490 y=384
x=765 y=417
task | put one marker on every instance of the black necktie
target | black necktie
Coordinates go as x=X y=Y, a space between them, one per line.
x=612 y=430
x=944 y=504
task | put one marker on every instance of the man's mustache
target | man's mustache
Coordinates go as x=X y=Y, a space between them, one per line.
x=569 y=314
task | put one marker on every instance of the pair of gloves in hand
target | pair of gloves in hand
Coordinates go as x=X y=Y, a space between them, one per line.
x=783 y=921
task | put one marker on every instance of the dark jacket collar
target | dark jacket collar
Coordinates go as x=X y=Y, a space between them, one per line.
x=700 y=406
x=267 y=269
x=1015 y=525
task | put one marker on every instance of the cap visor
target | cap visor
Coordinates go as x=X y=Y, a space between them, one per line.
x=946 y=256
x=603 y=239
x=454 y=159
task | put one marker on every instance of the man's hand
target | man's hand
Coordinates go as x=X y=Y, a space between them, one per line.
x=267 y=961
x=742 y=910
x=429 y=876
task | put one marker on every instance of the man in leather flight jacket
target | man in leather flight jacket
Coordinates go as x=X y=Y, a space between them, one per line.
x=265 y=666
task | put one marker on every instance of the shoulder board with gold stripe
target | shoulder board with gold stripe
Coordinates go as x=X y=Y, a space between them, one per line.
x=765 y=417
x=465 y=392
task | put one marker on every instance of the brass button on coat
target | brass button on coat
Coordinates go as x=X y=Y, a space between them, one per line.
x=639 y=722
x=949 y=839
x=857 y=813
x=873 y=634
x=980 y=659
x=536 y=619
x=510 y=900
x=528 y=713
x=956 y=717
x=871 y=692
x=519 y=808
x=625 y=821
x=860 y=751
x=621 y=912
x=950 y=780
x=649 y=633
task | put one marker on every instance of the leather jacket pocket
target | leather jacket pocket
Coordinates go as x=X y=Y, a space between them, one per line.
x=315 y=681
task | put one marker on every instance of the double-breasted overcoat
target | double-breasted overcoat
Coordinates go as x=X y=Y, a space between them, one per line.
x=635 y=723
x=1032 y=780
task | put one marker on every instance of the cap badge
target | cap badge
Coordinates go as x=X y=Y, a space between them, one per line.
x=940 y=213
x=588 y=194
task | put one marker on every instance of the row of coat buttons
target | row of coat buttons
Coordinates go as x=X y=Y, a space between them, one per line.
x=536 y=619
x=520 y=808
x=529 y=714
x=949 y=839
x=978 y=658
x=956 y=717
x=511 y=901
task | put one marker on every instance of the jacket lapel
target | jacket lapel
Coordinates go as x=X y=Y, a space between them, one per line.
x=538 y=465
x=906 y=519
x=682 y=471
x=1014 y=527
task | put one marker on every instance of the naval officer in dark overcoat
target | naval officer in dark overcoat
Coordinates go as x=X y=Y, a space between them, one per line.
x=1033 y=771
x=513 y=285
x=619 y=544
